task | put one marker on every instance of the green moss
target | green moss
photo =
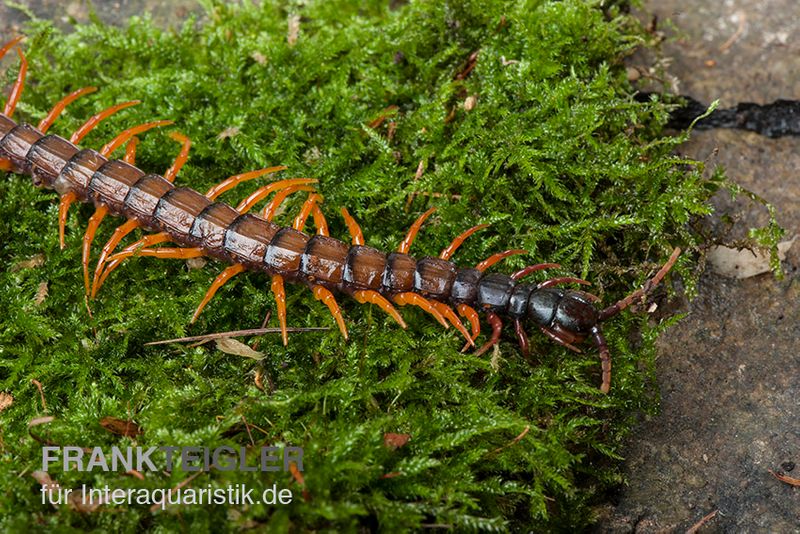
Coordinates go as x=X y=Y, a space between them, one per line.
x=556 y=155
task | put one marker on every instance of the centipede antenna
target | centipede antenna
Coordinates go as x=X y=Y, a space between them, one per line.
x=614 y=309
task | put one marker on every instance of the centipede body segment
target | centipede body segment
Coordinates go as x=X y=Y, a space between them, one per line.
x=201 y=225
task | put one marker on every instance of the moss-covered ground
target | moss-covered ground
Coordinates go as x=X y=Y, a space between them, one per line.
x=542 y=139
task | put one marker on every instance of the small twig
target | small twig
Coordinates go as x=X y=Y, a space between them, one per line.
x=238 y=333
x=181 y=484
x=41 y=392
x=738 y=33
x=694 y=528
x=247 y=427
x=787 y=479
x=514 y=441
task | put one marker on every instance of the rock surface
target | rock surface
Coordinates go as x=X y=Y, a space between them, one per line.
x=729 y=372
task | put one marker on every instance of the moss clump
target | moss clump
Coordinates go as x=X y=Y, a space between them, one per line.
x=552 y=150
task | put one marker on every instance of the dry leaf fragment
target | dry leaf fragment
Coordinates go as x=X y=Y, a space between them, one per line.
x=41 y=293
x=230 y=131
x=743 y=263
x=196 y=263
x=31 y=263
x=294 y=29
x=6 y=400
x=470 y=102
x=259 y=58
x=36 y=421
x=392 y=440
x=120 y=427
x=237 y=348
x=83 y=503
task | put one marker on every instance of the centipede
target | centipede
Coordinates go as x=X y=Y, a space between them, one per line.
x=198 y=224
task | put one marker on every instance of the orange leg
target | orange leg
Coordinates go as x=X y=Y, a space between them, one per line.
x=102 y=211
x=491 y=260
x=373 y=297
x=63 y=207
x=327 y=298
x=270 y=209
x=448 y=314
x=458 y=241
x=233 y=181
x=414 y=299
x=181 y=158
x=59 y=108
x=121 y=231
x=94 y=120
x=222 y=277
x=9 y=45
x=319 y=220
x=470 y=315
x=305 y=211
x=19 y=85
x=262 y=192
x=280 y=303
x=88 y=237
x=175 y=253
x=115 y=260
x=126 y=135
x=353 y=227
x=129 y=226
x=412 y=232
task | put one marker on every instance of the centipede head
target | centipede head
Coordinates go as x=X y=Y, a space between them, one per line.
x=563 y=309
